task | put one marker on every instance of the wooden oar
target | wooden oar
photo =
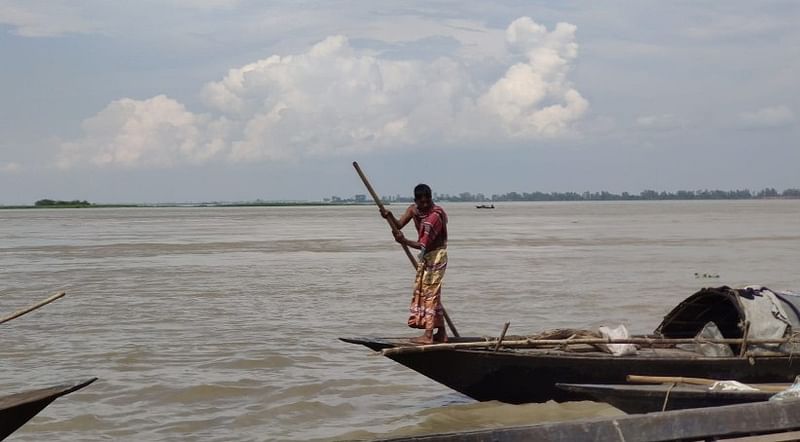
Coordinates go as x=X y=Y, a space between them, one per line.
x=19 y=313
x=396 y=228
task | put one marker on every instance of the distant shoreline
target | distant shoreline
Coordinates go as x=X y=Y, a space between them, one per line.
x=769 y=193
x=341 y=204
x=185 y=205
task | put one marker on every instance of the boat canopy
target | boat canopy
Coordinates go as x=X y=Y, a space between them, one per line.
x=763 y=313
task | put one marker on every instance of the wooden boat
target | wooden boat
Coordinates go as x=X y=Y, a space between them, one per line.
x=529 y=373
x=19 y=408
x=761 y=421
x=634 y=399
x=484 y=206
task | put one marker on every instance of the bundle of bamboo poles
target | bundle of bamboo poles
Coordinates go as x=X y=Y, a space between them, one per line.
x=539 y=343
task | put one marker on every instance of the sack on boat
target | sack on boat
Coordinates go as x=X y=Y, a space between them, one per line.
x=620 y=332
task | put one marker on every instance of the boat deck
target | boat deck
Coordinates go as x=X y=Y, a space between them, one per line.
x=382 y=343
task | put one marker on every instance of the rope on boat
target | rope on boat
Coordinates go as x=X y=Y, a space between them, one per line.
x=666 y=397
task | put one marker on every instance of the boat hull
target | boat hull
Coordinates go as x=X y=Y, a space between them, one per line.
x=19 y=408
x=763 y=421
x=518 y=377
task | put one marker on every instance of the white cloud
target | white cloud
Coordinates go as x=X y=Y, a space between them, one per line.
x=768 y=117
x=155 y=132
x=534 y=97
x=659 y=122
x=333 y=99
x=9 y=167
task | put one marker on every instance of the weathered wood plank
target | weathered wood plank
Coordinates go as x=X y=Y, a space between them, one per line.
x=721 y=422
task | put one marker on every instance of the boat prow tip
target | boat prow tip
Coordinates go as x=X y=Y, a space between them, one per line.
x=373 y=343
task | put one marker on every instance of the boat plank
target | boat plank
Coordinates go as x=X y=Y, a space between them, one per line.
x=634 y=399
x=757 y=419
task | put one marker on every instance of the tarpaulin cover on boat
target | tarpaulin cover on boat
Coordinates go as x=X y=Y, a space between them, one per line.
x=763 y=313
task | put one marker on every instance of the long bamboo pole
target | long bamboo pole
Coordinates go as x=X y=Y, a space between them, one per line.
x=39 y=304
x=533 y=343
x=396 y=228
x=636 y=379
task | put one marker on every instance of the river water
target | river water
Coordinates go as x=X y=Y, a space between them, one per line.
x=222 y=323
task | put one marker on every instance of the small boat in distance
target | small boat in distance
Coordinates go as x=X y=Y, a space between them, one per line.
x=484 y=206
x=19 y=408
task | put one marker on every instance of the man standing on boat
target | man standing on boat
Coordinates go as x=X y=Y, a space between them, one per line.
x=431 y=223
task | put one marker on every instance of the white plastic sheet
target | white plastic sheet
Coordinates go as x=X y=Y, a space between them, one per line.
x=711 y=331
x=790 y=393
x=619 y=332
x=730 y=386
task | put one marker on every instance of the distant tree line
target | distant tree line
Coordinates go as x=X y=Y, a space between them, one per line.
x=646 y=195
x=60 y=203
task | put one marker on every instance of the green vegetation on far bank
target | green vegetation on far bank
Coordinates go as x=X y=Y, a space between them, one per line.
x=83 y=204
x=59 y=204
x=358 y=200
x=646 y=195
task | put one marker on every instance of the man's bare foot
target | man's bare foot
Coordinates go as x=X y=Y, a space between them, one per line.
x=440 y=336
x=425 y=339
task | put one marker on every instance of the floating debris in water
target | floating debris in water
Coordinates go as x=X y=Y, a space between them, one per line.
x=706 y=275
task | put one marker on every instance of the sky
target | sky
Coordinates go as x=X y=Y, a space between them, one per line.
x=233 y=100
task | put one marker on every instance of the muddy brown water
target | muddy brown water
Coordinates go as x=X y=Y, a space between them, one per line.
x=222 y=323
